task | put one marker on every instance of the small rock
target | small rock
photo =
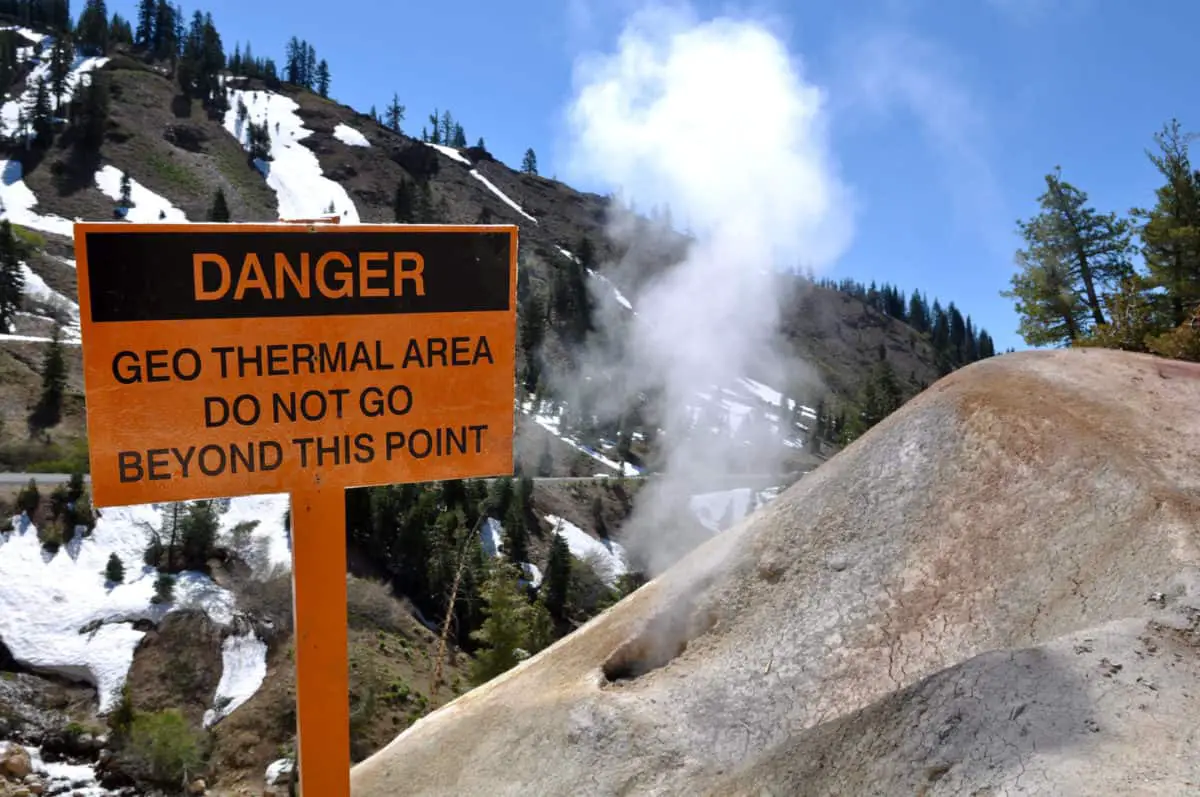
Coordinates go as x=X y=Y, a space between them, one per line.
x=22 y=792
x=36 y=788
x=15 y=762
x=197 y=787
x=838 y=563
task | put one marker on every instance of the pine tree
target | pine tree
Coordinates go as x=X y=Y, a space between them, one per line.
x=60 y=68
x=516 y=534
x=394 y=114
x=144 y=35
x=164 y=589
x=480 y=144
x=219 y=211
x=126 y=191
x=198 y=534
x=92 y=29
x=92 y=99
x=42 y=115
x=323 y=78
x=119 y=30
x=507 y=626
x=557 y=580
x=435 y=132
x=1073 y=254
x=529 y=162
x=12 y=277
x=1170 y=231
x=114 y=571
x=460 y=137
x=48 y=410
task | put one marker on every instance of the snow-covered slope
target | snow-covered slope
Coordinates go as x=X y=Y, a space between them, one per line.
x=147 y=206
x=17 y=203
x=61 y=615
x=293 y=173
x=16 y=200
x=606 y=557
x=16 y=111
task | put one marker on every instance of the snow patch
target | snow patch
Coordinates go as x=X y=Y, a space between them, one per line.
x=349 y=136
x=277 y=770
x=620 y=297
x=148 y=207
x=78 y=780
x=32 y=35
x=294 y=173
x=491 y=537
x=17 y=203
x=606 y=557
x=243 y=669
x=551 y=424
x=61 y=615
x=503 y=196
x=451 y=153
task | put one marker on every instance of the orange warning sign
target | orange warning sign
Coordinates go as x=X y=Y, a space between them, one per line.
x=229 y=359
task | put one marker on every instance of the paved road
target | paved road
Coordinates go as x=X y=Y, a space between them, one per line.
x=718 y=482
x=40 y=478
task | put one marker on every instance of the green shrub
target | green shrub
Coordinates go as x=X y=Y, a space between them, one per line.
x=164 y=588
x=29 y=498
x=164 y=747
x=115 y=570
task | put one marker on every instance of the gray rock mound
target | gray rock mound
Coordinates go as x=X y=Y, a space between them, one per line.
x=961 y=602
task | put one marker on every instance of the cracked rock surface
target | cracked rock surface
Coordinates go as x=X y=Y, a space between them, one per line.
x=994 y=591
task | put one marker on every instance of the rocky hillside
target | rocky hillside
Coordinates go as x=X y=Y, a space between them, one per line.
x=996 y=587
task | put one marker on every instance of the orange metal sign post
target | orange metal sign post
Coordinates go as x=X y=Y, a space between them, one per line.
x=239 y=359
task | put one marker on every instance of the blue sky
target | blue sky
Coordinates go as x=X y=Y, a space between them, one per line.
x=943 y=116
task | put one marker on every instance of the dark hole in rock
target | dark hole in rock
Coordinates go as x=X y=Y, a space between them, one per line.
x=661 y=640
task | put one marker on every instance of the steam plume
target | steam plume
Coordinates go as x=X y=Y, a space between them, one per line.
x=714 y=120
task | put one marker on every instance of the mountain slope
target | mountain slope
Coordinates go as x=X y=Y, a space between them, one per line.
x=177 y=153
x=1019 y=501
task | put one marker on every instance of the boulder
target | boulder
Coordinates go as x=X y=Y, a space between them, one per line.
x=15 y=763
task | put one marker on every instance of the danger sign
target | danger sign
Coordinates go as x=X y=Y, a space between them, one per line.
x=224 y=360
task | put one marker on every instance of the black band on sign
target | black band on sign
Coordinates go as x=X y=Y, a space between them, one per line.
x=170 y=276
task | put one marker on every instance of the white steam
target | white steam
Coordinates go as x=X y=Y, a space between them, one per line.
x=714 y=120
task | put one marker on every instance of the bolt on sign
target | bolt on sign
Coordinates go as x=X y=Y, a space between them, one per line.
x=236 y=359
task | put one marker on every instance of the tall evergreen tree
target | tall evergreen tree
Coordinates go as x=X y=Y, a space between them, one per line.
x=42 y=115
x=1072 y=254
x=507 y=627
x=92 y=29
x=48 y=411
x=394 y=114
x=323 y=78
x=1170 y=230
x=529 y=162
x=144 y=35
x=557 y=581
x=219 y=211
x=12 y=277
x=61 y=57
